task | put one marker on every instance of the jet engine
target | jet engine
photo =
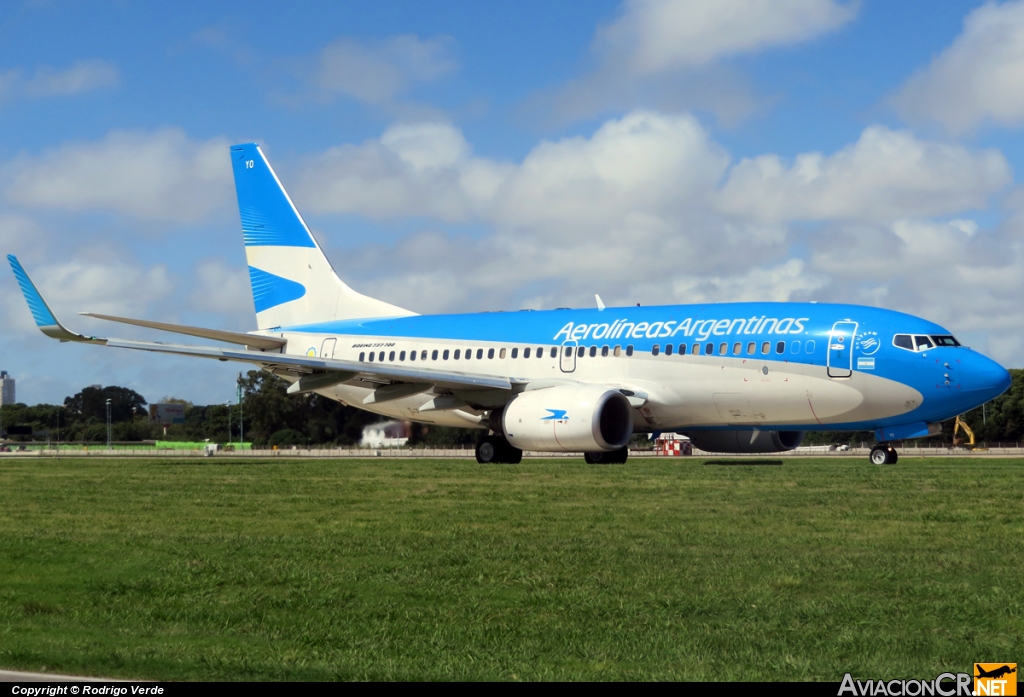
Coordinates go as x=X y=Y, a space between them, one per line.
x=746 y=440
x=569 y=418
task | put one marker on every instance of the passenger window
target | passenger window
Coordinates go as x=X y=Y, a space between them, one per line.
x=737 y=348
x=515 y=353
x=780 y=347
x=580 y=351
x=655 y=350
x=751 y=348
x=554 y=352
x=433 y=355
x=445 y=354
x=412 y=355
x=668 y=349
x=457 y=355
x=526 y=352
x=479 y=354
x=923 y=343
x=794 y=347
x=593 y=351
x=568 y=351
x=629 y=350
x=362 y=356
x=372 y=353
x=618 y=351
x=682 y=349
x=401 y=356
x=501 y=353
x=709 y=349
x=423 y=355
x=695 y=349
x=809 y=346
x=723 y=348
x=391 y=357
x=766 y=347
x=490 y=353
x=604 y=351
x=540 y=352
x=903 y=341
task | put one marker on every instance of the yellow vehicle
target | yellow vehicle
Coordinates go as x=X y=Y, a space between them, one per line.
x=959 y=442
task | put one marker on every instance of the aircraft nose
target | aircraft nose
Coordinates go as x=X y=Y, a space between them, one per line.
x=985 y=378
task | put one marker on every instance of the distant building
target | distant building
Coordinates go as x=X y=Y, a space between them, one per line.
x=386 y=434
x=6 y=388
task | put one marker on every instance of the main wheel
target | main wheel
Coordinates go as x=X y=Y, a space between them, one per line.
x=599 y=458
x=615 y=457
x=486 y=450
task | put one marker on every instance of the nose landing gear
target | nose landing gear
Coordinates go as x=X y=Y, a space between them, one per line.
x=884 y=454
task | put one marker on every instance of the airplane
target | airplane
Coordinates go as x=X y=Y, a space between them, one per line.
x=748 y=377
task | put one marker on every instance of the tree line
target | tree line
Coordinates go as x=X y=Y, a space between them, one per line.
x=270 y=416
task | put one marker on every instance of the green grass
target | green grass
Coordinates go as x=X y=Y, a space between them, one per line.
x=445 y=569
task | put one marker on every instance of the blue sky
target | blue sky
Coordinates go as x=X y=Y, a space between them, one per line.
x=466 y=156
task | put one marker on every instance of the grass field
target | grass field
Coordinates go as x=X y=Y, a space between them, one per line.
x=419 y=569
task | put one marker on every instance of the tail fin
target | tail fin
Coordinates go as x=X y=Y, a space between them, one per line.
x=293 y=283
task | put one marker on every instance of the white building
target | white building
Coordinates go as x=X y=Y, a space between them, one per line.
x=6 y=388
x=386 y=434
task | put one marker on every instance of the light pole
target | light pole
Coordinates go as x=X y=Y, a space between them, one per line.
x=241 y=414
x=228 y=405
x=108 y=424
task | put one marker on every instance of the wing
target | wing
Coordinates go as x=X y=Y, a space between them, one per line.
x=309 y=372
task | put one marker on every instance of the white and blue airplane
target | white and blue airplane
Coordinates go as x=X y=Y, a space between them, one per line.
x=734 y=377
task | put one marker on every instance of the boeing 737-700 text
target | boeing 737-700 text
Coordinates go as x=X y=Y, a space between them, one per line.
x=734 y=377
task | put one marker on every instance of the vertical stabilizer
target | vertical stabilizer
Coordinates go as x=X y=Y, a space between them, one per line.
x=292 y=281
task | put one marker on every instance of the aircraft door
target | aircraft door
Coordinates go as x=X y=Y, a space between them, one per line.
x=840 y=349
x=327 y=349
x=568 y=357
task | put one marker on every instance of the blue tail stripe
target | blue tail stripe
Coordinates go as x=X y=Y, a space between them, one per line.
x=268 y=217
x=40 y=312
x=270 y=291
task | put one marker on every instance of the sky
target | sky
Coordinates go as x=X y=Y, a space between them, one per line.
x=463 y=156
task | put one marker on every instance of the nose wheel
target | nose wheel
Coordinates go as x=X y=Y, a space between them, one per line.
x=884 y=454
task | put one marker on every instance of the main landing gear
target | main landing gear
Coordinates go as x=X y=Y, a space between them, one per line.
x=884 y=454
x=615 y=457
x=497 y=450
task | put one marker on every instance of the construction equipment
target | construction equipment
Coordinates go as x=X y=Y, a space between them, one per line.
x=959 y=442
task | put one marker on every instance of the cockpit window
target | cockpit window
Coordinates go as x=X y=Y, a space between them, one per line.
x=918 y=342
x=903 y=341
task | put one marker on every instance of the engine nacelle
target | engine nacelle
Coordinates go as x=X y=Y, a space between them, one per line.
x=569 y=418
x=746 y=441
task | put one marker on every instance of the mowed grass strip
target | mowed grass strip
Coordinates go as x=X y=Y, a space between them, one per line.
x=445 y=569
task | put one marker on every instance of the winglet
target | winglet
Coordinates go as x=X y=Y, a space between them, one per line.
x=45 y=319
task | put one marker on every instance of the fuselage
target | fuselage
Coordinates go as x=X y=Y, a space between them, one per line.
x=799 y=366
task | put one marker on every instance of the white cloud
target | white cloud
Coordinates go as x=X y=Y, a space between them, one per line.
x=884 y=175
x=82 y=76
x=655 y=36
x=223 y=290
x=162 y=175
x=978 y=77
x=671 y=55
x=377 y=72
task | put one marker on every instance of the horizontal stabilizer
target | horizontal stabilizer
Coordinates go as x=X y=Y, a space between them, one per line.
x=254 y=340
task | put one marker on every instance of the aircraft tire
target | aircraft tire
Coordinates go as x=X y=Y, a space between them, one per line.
x=615 y=457
x=487 y=451
x=884 y=455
